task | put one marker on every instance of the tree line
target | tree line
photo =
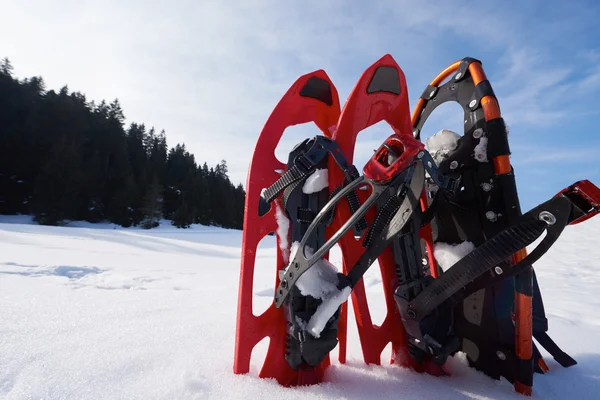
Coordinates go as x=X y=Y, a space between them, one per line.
x=64 y=158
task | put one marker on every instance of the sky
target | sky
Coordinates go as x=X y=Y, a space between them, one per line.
x=210 y=72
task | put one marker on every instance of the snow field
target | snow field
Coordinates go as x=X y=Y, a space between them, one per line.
x=92 y=312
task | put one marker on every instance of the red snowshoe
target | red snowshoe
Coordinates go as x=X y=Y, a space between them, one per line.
x=443 y=222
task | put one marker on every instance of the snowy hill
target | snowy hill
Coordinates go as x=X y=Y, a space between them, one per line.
x=92 y=312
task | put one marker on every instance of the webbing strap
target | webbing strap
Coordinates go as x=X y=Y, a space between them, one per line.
x=410 y=195
x=552 y=216
x=547 y=343
x=299 y=171
x=475 y=264
x=383 y=218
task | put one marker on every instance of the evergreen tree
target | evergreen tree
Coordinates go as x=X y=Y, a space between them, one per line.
x=182 y=218
x=64 y=158
x=151 y=206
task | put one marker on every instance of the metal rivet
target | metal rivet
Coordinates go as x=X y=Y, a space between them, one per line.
x=486 y=187
x=472 y=103
x=498 y=270
x=454 y=164
x=501 y=355
x=458 y=76
x=424 y=261
x=477 y=133
x=490 y=215
x=432 y=94
x=284 y=284
x=429 y=164
x=412 y=314
x=420 y=155
x=548 y=217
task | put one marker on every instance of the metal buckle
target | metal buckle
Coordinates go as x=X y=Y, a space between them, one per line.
x=585 y=197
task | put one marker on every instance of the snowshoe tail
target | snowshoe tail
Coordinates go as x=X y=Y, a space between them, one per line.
x=494 y=321
x=312 y=98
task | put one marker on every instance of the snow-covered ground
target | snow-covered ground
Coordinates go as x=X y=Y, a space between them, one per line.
x=92 y=312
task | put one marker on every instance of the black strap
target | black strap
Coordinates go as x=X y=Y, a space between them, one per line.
x=475 y=264
x=300 y=170
x=430 y=212
x=382 y=219
x=560 y=208
x=540 y=329
x=410 y=194
x=306 y=215
x=497 y=138
x=353 y=202
x=482 y=89
x=560 y=356
x=466 y=276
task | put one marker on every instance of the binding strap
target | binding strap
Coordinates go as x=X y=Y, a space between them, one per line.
x=547 y=343
x=301 y=169
x=462 y=278
x=540 y=328
x=304 y=165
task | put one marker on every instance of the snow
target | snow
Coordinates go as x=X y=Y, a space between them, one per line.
x=103 y=312
x=319 y=281
x=481 y=150
x=441 y=144
x=283 y=229
x=326 y=309
x=447 y=255
x=316 y=182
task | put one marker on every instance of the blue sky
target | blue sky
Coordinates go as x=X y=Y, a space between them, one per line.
x=210 y=72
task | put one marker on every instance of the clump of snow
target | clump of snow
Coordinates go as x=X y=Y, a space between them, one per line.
x=441 y=144
x=316 y=182
x=326 y=310
x=283 y=229
x=481 y=150
x=447 y=255
x=320 y=280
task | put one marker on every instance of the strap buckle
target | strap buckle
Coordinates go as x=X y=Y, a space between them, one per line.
x=585 y=198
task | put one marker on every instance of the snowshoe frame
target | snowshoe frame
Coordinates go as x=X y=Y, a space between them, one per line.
x=381 y=94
